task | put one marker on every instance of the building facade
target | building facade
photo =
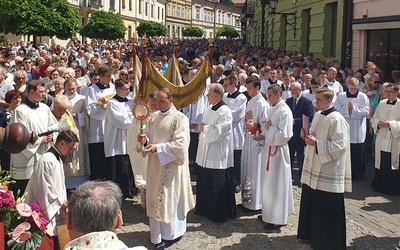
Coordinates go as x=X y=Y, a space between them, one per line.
x=375 y=34
x=315 y=26
x=205 y=14
x=132 y=12
x=178 y=16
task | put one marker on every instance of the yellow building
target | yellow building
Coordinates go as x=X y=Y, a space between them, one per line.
x=178 y=16
x=209 y=16
x=314 y=26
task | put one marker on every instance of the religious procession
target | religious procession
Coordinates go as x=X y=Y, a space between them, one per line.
x=190 y=126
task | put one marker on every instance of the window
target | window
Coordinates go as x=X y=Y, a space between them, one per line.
x=123 y=4
x=129 y=32
x=112 y=5
x=212 y=17
x=189 y=14
x=330 y=28
x=162 y=14
x=306 y=30
x=179 y=11
x=198 y=13
x=169 y=10
x=140 y=6
x=383 y=49
x=152 y=10
x=219 y=17
x=222 y=18
x=146 y=9
x=158 y=12
x=228 y=19
x=130 y=4
x=173 y=11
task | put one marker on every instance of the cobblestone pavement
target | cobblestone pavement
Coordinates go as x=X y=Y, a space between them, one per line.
x=373 y=222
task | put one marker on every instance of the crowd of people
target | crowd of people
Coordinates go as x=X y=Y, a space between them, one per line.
x=263 y=114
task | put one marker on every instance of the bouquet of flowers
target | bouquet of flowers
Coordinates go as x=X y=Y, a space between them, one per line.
x=24 y=224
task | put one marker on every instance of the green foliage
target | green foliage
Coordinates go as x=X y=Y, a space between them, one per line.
x=227 y=31
x=228 y=2
x=39 y=17
x=3 y=39
x=104 y=25
x=193 y=32
x=151 y=29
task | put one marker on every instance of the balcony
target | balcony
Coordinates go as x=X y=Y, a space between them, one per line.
x=248 y=8
x=91 y=4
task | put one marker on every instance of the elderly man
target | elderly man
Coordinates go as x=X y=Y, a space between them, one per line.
x=299 y=105
x=169 y=195
x=331 y=81
x=94 y=214
x=230 y=61
x=277 y=196
x=215 y=191
x=326 y=176
x=219 y=70
x=354 y=106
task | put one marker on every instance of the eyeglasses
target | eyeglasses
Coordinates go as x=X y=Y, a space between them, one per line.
x=27 y=62
x=162 y=100
x=390 y=92
x=377 y=82
x=124 y=74
x=20 y=78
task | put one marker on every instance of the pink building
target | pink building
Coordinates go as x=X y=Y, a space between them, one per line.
x=376 y=34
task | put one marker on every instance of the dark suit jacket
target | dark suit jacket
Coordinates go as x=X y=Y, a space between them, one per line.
x=304 y=106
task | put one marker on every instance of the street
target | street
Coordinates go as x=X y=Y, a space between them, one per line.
x=373 y=222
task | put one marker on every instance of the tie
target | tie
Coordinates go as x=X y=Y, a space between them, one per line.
x=294 y=103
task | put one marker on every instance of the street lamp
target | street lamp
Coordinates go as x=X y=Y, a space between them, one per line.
x=290 y=17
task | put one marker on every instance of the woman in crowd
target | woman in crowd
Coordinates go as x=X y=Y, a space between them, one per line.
x=14 y=98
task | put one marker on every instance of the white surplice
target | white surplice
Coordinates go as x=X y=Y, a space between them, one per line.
x=277 y=196
x=355 y=117
x=46 y=187
x=251 y=164
x=37 y=120
x=96 y=112
x=216 y=141
x=168 y=177
x=238 y=107
x=119 y=117
x=388 y=139
x=327 y=164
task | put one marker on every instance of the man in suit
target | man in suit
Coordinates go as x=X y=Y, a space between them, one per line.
x=300 y=106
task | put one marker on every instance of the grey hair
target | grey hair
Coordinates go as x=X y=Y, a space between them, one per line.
x=218 y=89
x=94 y=206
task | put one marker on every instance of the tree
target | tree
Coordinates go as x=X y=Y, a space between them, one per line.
x=193 y=32
x=227 y=2
x=227 y=31
x=151 y=29
x=104 y=25
x=39 y=18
